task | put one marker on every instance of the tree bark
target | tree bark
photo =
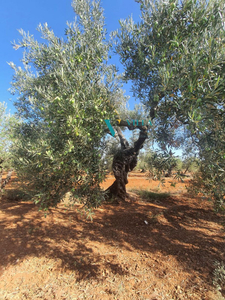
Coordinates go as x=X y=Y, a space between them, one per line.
x=125 y=160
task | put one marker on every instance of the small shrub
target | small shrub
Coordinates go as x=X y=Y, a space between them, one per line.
x=151 y=196
x=16 y=195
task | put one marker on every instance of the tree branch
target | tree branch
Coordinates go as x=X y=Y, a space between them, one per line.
x=124 y=143
x=142 y=137
x=122 y=123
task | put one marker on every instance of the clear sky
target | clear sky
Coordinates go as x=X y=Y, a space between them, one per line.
x=27 y=14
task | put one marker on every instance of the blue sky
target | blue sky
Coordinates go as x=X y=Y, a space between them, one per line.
x=27 y=14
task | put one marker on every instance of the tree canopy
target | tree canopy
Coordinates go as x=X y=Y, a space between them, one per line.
x=7 y=122
x=65 y=90
x=175 y=58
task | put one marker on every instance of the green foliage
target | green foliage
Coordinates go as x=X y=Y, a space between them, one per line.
x=175 y=58
x=141 y=164
x=144 y=159
x=152 y=196
x=159 y=164
x=179 y=165
x=16 y=194
x=63 y=107
x=7 y=122
x=212 y=167
x=190 y=164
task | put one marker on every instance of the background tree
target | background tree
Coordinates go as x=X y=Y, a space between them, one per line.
x=7 y=122
x=63 y=105
x=175 y=58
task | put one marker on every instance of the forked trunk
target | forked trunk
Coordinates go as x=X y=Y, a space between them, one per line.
x=125 y=160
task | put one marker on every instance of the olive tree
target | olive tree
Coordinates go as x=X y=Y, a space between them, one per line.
x=66 y=89
x=4 y=136
x=7 y=122
x=175 y=58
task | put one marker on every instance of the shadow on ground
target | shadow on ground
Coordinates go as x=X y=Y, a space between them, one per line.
x=189 y=232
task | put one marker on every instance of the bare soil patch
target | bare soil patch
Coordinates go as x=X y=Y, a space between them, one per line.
x=159 y=249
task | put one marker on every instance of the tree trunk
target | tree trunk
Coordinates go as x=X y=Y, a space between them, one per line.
x=125 y=160
x=2 y=185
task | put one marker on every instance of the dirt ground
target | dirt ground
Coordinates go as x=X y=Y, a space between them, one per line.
x=157 y=249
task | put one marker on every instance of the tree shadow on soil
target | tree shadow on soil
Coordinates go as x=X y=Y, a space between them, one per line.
x=178 y=228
